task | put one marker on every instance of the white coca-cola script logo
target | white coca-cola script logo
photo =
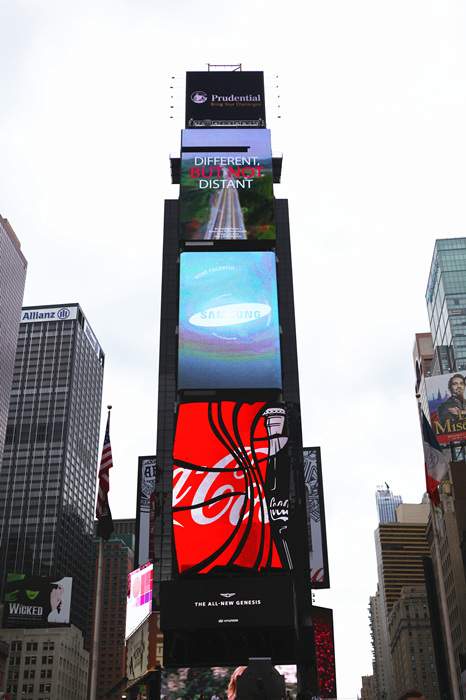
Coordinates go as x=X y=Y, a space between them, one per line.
x=184 y=493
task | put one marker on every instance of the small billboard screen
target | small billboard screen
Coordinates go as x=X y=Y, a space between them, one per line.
x=147 y=467
x=228 y=321
x=447 y=406
x=317 y=537
x=139 y=598
x=36 y=601
x=231 y=487
x=224 y=96
x=322 y=619
x=226 y=185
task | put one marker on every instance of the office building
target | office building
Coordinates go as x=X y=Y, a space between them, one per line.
x=381 y=659
x=368 y=691
x=228 y=350
x=446 y=305
x=13 y=268
x=412 y=643
x=118 y=558
x=48 y=475
x=46 y=664
x=387 y=503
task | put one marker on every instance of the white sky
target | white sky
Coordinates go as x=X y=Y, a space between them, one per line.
x=372 y=128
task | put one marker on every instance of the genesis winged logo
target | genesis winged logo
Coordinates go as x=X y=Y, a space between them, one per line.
x=227 y=595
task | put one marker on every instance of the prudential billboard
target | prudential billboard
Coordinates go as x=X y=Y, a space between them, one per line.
x=228 y=321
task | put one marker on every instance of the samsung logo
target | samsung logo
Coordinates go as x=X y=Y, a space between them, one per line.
x=230 y=315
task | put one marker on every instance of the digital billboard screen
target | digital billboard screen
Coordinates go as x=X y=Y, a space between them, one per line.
x=317 y=536
x=147 y=469
x=36 y=601
x=231 y=487
x=322 y=619
x=225 y=96
x=225 y=603
x=139 y=597
x=228 y=321
x=226 y=188
x=447 y=406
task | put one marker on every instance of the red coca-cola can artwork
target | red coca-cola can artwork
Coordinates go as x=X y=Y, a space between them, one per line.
x=230 y=487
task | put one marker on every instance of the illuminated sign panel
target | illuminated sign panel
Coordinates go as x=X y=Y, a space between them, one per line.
x=36 y=601
x=226 y=185
x=147 y=468
x=231 y=487
x=447 y=406
x=317 y=536
x=58 y=313
x=228 y=321
x=322 y=619
x=225 y=96
x=139 y=599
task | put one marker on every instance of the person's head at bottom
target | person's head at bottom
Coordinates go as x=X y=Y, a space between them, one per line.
x=412 y=694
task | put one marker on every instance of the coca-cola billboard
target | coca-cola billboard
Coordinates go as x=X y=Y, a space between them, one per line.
x=231 y=487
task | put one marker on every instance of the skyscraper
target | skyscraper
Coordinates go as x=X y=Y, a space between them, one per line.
x=48 y=475
x=13 y=267
x=387 y=503
x=446 y=305
x=229 y=395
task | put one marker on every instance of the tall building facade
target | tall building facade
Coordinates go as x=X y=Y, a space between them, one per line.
x=13 y=268
x=446 y=305
x=229 y=396
x=118 y=559
x=48 y=475
x=387 y=503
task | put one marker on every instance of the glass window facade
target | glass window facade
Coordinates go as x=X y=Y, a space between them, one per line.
x=48 y=475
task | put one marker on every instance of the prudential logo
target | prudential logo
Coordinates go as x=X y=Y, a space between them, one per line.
x=198 y=97
x=230 y=315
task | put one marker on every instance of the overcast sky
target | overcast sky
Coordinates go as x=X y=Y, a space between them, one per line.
x=366 y=101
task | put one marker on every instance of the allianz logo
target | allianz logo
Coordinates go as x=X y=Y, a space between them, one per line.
x=230 y=314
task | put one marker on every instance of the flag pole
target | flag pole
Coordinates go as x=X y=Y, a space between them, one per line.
x=441 y=585
x=101 y=509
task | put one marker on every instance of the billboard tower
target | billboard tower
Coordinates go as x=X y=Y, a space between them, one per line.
x=230 y=531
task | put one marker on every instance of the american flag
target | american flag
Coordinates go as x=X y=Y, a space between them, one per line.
x=104 y=516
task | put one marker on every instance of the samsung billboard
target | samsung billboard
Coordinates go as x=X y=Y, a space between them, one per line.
x=225 y=96
x=226 y=188
x=228 y=321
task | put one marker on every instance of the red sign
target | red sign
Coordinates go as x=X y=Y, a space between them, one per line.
x=230 y=487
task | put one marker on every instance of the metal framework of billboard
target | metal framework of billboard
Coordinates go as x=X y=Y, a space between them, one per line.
x=231 y=487
x=317 y=534
x=147 y=467
x=224 y=96
x=229 y=336
x=226 y=190
x=36 y=601
x=447 y=406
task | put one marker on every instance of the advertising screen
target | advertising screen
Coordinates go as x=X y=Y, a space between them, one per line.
x=447 y=406
x=146 y=487
x=231 y=487
x=139 y=598
x=226 y=185
x=225 y=603
x=317 y=537
x=228 y=321
x=225 y=96
x=322 y=619
x=36 y=601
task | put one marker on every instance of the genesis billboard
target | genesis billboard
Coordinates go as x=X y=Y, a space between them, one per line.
x=225 y=96
x=228 y=321
x=231 y=487
x=226 y=185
